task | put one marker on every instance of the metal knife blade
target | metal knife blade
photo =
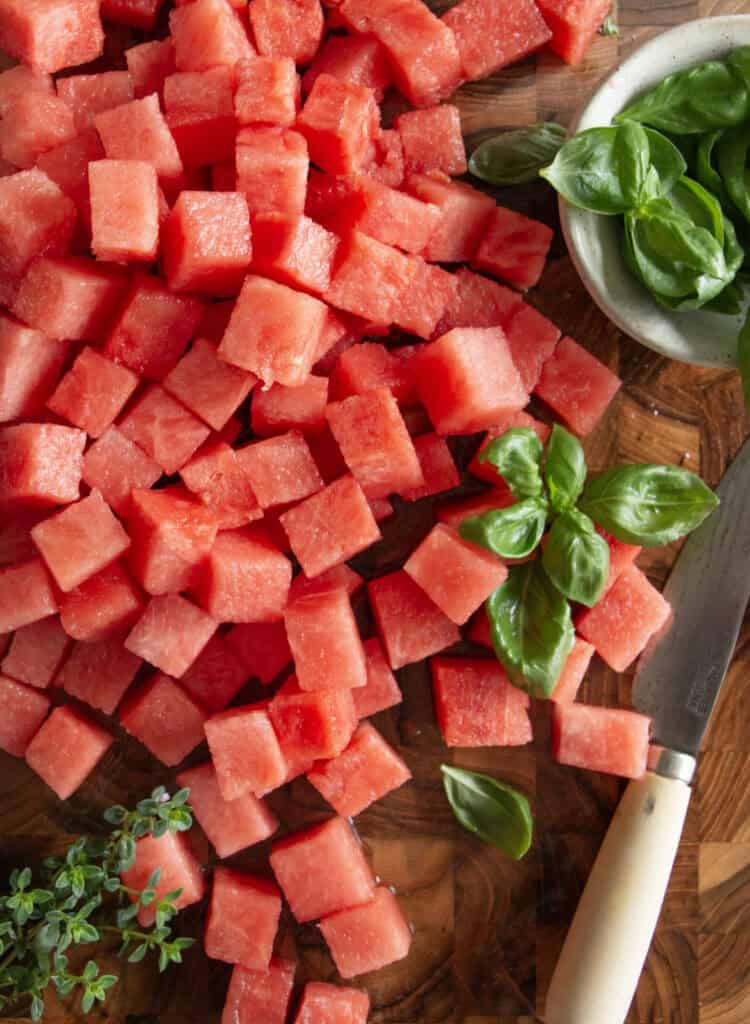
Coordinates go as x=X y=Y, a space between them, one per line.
x=681 y=671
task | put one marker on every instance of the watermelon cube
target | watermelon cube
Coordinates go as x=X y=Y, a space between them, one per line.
x=311 y=726
x=573 y=672
x=456 y=575
x=36 y=652
x=287 y=28
x=339 y=577
x=513 y=247
x=365 y=771
x=138 y=131
x=367 y=366
x=224 y=176
x=573 y=25
x=245 y=752
x=206 y=243
x=41 y=464
x=71 y=297
x=410 y=625
x=124 y=210
x=453 y=513
x=422 y=50
x=31 y=125
x=259 y=995
x=375 y=443
x=136 y=13
x=115 y=466
x=577 y=386
x=153 y=329
x=200 y=113
x=49 y=753
x=21 y=80
x=360 y=60
x=93 y=392
x=322 y=870
x=30 y=364
x=103 y=607
x=52 y=34
x=279 y=408
x=80 y=541
x=272 y=165
x=35 y=218
x=23 y=711
x=280 y=469
x=388 y=165
x=172 y=856
x=217 y=477
x=171 y=633
x=621 y=555
x=26 y=594
x=480 y=631
x=467 y=380
x=366 y=938
x=208 y=33
x=149 y=64
x=268 y=91
x=329 y=1004
x=261 y=647
x=485 y=470
x=438 y=468
x=466 y=213
x=207 y=386
x=245 y=578
x=339 y=119
x=532 y=339
x=295 y=250
x=432 y=140
x=601 y=739
x=216 y=676
x=165 y=719
x=243 y=918
x=16 y=544
x=273 y=332
x=479 y=302
x=477 y=706
x=422 y=307
x=325 y=643
x=381 y=690
x=621 y=623
x=68 y=165
x=99 y=673
x=340 y=332
x=331 y=201
x=490 y=35
x=331 y=526
x=231 y=825
x=369 y=278
x=394 y=217
x=163 y=429
x=88 y=95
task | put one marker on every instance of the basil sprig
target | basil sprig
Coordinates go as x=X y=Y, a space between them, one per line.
x=515 y=157
x=492 y=810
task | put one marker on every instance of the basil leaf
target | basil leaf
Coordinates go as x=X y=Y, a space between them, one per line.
x=576 y=558
x=492 y=810
x=609 y=26
x=706 y=172
x=517 y=456
x=698 y=99
x=630 y=154
x=739 y=61
x=666 y=160
x=564 y=469
x=728 y=302
x=648 y=505
x=531 y=627
x=586 y=172
x=512 y=532
x=696 y=203
x=731 y=157
x=515 y=157
x=743 y=359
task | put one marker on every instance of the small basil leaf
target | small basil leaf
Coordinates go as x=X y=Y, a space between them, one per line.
x=707 y=174
x=648 y=505
x=492 y=810
x=666 y=160
x=739 y=62
x=696 y=203
x=731 y=157
x=512 y=532
x=630 y=154
x=564 y=468
x=531 y=627
x=698 y=99
x=517 y=456
x=743 y=359
x=516 y=157
x=585 y=172
x=576 y=558
x=608 y=27
x=728 y=302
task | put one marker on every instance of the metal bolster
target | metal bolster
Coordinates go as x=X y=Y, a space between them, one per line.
x=671 y=764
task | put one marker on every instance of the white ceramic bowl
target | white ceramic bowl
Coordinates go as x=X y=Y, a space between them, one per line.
x=594 y=242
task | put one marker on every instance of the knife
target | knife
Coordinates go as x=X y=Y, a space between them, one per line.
x=677 y=684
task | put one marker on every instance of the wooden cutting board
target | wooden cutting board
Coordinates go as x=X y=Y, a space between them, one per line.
x=488 y=930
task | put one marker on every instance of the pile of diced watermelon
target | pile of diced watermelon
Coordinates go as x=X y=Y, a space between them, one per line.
x=241 y=321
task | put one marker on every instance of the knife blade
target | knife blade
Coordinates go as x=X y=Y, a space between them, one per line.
x=680 y=673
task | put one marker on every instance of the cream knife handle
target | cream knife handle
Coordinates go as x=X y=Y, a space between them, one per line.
x=605 y=949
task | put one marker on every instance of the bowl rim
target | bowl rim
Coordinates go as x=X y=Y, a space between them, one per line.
x=713 y=35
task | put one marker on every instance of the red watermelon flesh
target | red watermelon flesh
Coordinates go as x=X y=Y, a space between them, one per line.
x=514 y=248
x=165 y=719
x=477 y=706
x=388 y=165
x=48 y=754
x=36 y=652
x=224 y=176
x=40 y=464
x=573 y=25
x=260 y=995
x=21 y=80
x=35 y=218
x=577 y=386
x=23 y=711
x=574 y=670
x=245 y=751
x=243 y=919
x=171 y=633
x=216 y=676
x=381 y=690
x=206 y=244
x=93 y=392
x=138 y=131
x=453 y=513
x=68 y=164
x=621 y=555
x=340 y=120
x=485 y=470
x=30 y=364
x=278 y=409
x=324 y=640
x=208 y=386
x=293 y=249
x=532 y=339
x=149 y=64
x=137 y=13
x=26 y=594
x=311 y=726
x=369 y=278
x=432 y=140
x=287 y=28
x=98 y=673
x=231 y=825
x=207 y=33
x=268 y=91
x=479 y=302
x=410 y=625
x=245 y=578
x=438 y=468
x=368 y=366
x=88 y=95
x=32 y=124
x=163 y=429
x=341 y=576
x=216 y=476
x=200 y=113
x=272 y=167
x=423 y=305
x=172 y=855
x=103 y=607
x=369 y=937
x=329 y=1004
x=394 y=217
x=261 y=647
x=330 y=200
x=124 y=210
x=490 y=35
x=465 y=215
x=601 y=739
x=115 y=466
x=280 y=469
x=357 y=59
